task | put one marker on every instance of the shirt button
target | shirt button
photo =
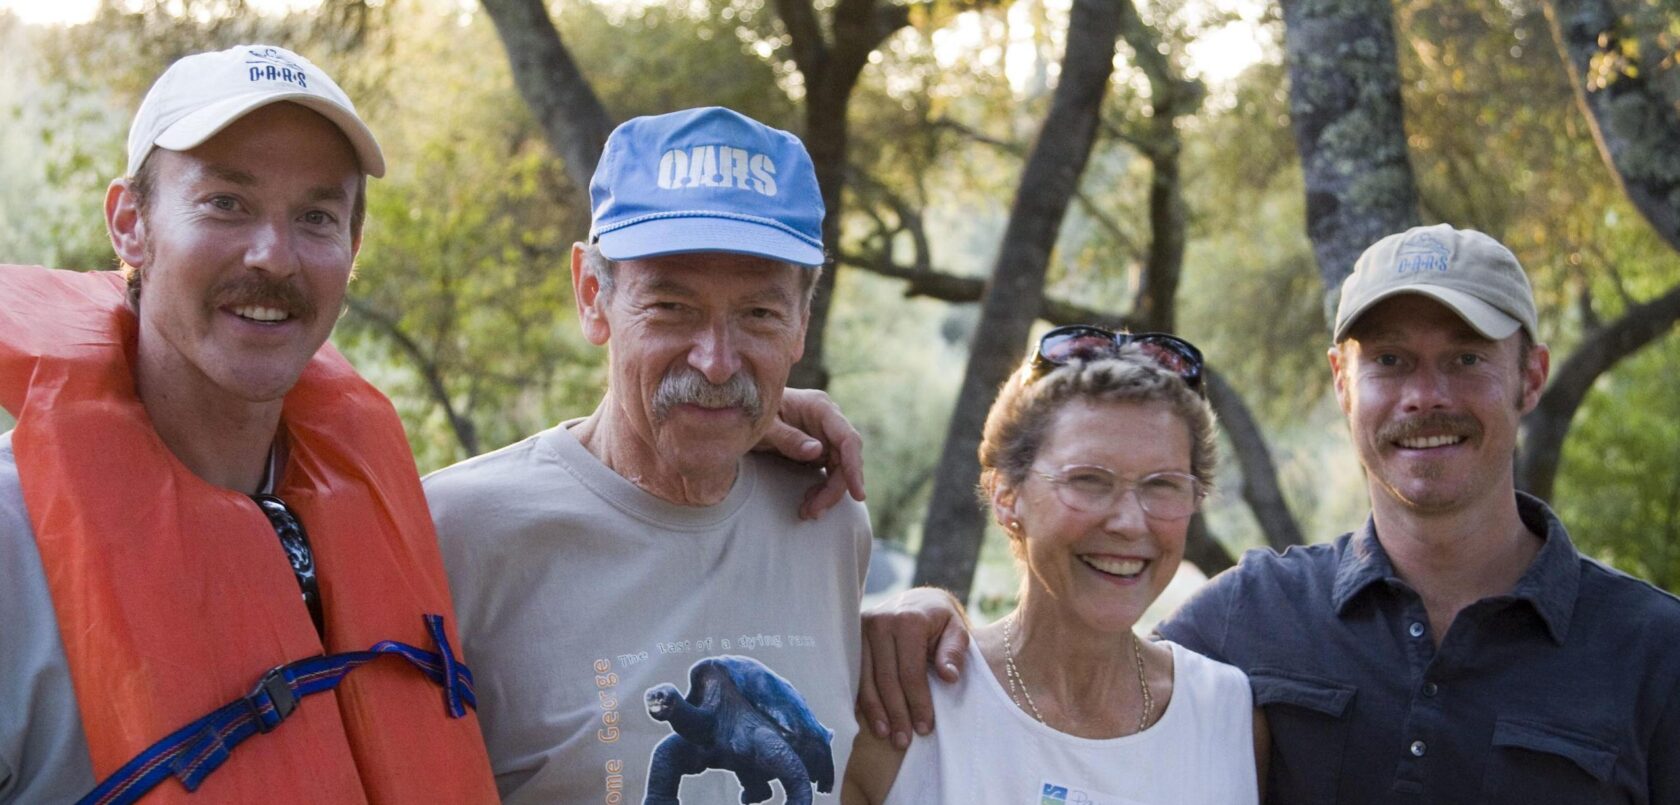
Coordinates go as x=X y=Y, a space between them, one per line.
x=1416 y=629
x=1418 y=748
x=1430 y=689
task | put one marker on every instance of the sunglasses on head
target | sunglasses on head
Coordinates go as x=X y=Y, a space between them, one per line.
x=1085 y=342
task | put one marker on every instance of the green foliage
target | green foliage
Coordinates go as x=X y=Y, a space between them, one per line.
x=1498 y=140
x=883 y=339
x=463 y=280
x=1619 y=487
x=58 y=148
x=1251 y=294
x=661 y=57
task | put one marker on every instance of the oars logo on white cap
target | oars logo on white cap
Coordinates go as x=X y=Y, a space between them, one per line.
x=269 y=64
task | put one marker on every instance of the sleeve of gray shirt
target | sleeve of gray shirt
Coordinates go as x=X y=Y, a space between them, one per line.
x=43 y=753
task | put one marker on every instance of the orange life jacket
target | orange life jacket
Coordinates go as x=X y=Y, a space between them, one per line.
x=173 y=596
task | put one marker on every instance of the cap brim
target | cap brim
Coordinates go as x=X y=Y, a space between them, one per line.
x=662 y=236
x=1481 y=316
x=192 y=130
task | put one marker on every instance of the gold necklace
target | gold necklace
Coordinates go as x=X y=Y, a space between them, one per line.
x=1018 y=687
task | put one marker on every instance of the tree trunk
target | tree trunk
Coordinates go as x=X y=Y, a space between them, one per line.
x=1345 y=110
x=1260 y=488
x=831 y=73
x=1170 y=97
x=1157 y=299
x=573 y=120
x=1203 y=550
x=1637 y=129
x=1545 y=428
x=825 y=137
x=954 y=525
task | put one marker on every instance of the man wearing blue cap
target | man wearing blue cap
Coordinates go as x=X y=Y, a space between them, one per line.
x=656 y=622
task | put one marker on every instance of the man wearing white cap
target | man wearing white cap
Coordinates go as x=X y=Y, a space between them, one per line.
x=206 y=517
x=661 y=625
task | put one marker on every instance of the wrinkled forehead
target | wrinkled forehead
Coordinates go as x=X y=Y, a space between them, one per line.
x=716 y=273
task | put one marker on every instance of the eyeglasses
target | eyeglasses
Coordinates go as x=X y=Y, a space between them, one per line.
x=1087 y=342
x=1163 y=495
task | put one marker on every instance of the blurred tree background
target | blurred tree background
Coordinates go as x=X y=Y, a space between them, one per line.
x=1220 y=182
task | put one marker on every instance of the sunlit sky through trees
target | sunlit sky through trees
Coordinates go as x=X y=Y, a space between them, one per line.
x=1217 y=54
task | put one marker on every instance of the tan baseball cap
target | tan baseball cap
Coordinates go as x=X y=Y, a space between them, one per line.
x=201 y=94
x=1469 y=272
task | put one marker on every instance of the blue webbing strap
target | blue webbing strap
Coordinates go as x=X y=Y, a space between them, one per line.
x=192 y=752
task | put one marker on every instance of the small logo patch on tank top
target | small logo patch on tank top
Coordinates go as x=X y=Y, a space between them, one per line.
x=1055 y=793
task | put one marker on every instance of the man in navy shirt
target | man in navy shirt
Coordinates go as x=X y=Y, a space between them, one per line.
x=1457 y=648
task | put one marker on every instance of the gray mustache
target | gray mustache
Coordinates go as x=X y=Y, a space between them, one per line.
x=685 y=385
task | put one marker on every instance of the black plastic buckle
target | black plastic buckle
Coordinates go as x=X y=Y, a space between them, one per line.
x=280 y=694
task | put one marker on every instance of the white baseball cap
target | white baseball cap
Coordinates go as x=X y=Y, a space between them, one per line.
x=201 y=94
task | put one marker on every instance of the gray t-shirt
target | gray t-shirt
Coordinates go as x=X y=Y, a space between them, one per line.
x=43 y=753
x=581 y=595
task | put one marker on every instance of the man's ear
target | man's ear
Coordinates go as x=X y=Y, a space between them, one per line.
x=591 y=304
x=1339 y=374
x=1534 y=375
x=125 y=224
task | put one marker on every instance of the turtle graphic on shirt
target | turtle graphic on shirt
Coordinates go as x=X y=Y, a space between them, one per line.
x=739 y=716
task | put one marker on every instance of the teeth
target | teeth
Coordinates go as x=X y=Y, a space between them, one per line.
x=259 y=313
x=1117 y=567
x=1429 y=441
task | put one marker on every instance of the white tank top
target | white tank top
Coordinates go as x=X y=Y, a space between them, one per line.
x=986 y=750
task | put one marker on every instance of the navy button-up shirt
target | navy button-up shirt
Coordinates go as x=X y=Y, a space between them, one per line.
x=1565 y=690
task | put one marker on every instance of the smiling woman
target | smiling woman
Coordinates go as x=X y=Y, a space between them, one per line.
x=1093 y=463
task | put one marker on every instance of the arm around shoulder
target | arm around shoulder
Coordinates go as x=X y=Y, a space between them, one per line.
x=903 y=637
x=872 y=769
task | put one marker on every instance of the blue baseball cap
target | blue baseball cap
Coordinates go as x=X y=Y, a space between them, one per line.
x=706 y=180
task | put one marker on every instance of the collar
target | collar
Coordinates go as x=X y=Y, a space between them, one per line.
x=1549 y=585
